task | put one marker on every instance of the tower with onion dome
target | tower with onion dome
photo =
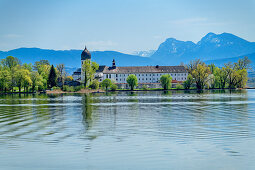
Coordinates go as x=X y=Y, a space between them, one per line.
x=85 y=55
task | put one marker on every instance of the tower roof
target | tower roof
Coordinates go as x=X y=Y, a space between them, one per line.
x=85 y=54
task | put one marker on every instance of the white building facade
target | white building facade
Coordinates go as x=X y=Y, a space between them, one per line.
x=144 y=74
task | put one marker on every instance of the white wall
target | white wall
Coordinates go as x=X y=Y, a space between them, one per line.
x=145 y=77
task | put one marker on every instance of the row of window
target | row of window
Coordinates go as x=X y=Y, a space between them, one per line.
x=139 y=79
x=123 y=75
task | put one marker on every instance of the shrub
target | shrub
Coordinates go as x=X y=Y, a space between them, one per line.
x=56 y=88
x=114 y=87
x=68 y=88
x=94 y=84
x=77 y=88
x=106 y=83
x=179 y=86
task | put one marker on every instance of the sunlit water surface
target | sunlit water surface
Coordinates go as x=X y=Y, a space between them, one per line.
x=141 y=130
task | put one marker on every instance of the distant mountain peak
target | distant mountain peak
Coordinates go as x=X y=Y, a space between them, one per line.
x=211 y=46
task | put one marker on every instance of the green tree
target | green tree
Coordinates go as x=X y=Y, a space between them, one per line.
x=187 y=84
x=22 y=78
x=201 y=74
x=43 y=68
x=89 y=69
x=10 y=62
x=132 y=81
x=166 y=81
x=38 y=64
x=52 y=80
x=36 y=80
x=5 y=79
x=106 y=83
x=221 y=77
x=94 y=84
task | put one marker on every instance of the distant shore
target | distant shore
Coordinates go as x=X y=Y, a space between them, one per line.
x=85 y=91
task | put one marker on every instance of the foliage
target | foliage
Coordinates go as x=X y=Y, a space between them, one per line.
x=5 y=79
x=200 y=75
x=106 y=83
x=114 y=87
x=37 y=80
x=22 y=78
x=132 y=81
x=10 y=62
x=94 y=84
x=166 y=81
x=52 y=80
x=187 y=84
x=179 y=86
x=193 y=65
x=89 y=69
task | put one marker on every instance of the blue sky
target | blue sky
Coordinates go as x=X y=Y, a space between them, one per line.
x=125 y=26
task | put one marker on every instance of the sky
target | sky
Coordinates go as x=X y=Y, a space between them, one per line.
x=125 y=26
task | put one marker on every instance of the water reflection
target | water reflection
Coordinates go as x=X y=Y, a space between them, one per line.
x=135 y=126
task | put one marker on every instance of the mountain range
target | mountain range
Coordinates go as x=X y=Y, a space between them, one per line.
x=212 y=48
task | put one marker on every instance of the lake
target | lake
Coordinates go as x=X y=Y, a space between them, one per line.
x=125 y=130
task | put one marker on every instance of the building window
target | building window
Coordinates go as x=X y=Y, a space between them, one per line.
x=107 y=76
x=116 y=75
x=110 y=76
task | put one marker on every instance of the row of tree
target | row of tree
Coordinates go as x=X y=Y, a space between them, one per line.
x=27 y=77
x=232 y=75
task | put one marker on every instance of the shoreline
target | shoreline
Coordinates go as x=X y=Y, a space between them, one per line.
x=88 y=91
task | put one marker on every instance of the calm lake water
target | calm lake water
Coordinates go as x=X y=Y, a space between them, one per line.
x=141 y=130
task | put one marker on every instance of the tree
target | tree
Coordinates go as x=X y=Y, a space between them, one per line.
x=166 y=81
x=243 y=63
x=132 y=81
x=61 y=73
x=37 y=80
x=52 y=80
x=43 y=68
x=201 y=74
x=106 y=83
x=22 y=78
x=5 y=79
x=221 y=76
x=10 y=62
x=38 y=64
x=94 y=84
x=89 y=69
x=187 y=84
x=193 y=65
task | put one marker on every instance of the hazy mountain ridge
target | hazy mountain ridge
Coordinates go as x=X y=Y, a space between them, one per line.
x=72 y=58
x=217 y=48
